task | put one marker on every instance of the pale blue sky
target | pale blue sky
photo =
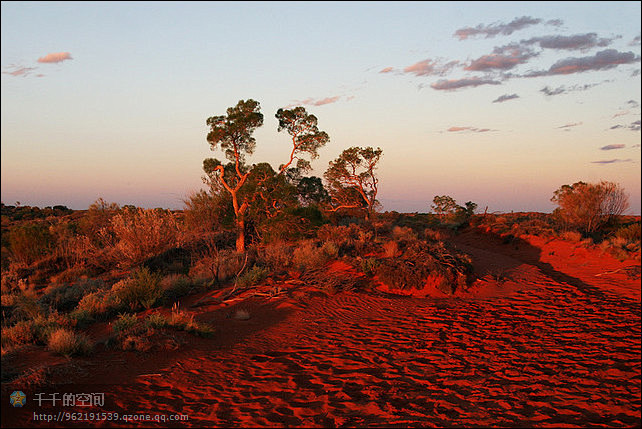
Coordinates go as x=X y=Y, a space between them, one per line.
x=493 y=102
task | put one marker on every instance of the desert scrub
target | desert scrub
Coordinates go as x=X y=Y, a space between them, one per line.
x=98 y=305
x=369 y=266
x=29 y=242
x=64 y=297
x=142 y=233
x=143 y=289
x=252 y=277
x=175 y=286
x=309 y=256
x=277 y=256
x=422 y=263
x=68 y=343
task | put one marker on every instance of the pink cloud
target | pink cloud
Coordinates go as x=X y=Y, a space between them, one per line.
x=19 y=70
x=386 y=70
x=56 y=57
x=506 y=97
x=471 y=129
x=430 y=67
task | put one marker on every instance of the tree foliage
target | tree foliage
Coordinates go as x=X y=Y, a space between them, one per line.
x=352 y=180
x=590 y=206
x=306 y=136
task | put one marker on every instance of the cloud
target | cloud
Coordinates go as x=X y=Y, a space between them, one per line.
x=315 y=102
x=574 y=42
x=493 y=30
x=56 y=57
x=634 y=104
x=634 y=126
x=611 y=161
x=16 y=70
x=563 y=89
x=430 y=67
x=505 y=97
x=469 y=129
x=613 y=146
x=386 y=70
x=635 y=41
x=503 y=58
x=449 y=85
x=622 y=113
x=603 y=60
x=575 y=124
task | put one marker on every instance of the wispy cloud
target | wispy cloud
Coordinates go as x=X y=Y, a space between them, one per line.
x=603 y=60
x=16 y=70
x=564 y=89
x=56 y=57
x=505 y=97
x=622 y=113
x=468 y=129
x=449 y=85
x=574 y=42
x=315 y=101
x=493 y=30
x=386 y=70
x=430 y=67
x=611 y=161
x=634 y=126
x=613 y=147
x=635 y=41
x=575 y=124
x=634 y=104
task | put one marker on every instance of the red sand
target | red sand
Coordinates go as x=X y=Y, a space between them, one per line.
x=548 y=336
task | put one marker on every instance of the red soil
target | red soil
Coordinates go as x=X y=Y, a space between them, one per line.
x=547 y=336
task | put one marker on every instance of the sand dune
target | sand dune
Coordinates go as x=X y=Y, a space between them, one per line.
x=540 y=339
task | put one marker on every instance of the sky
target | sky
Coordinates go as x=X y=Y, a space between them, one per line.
x=499 y=103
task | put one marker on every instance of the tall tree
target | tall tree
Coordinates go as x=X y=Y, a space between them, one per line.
x=352 y=181
x=306 y=137
x=233 y=134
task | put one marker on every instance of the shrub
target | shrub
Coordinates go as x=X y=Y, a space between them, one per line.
x=99 y=305
x=403 y=233
x=630 y=232
x=572 y=236
x=252 y=277
x=175 y=286
x=142 y=289
x=68 y=343
x=124 y=324
x=587 y=206
x=277 y=256
x=65 y=297
x=28 y=243
x=308 y=256
x=144 y=233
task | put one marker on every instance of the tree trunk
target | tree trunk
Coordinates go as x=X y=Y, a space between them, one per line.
x=240 y=239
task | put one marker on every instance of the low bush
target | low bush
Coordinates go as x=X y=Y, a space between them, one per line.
x=68 y=343
x=143 y=289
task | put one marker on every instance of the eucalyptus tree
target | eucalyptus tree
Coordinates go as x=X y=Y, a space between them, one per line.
x=233 y=134
x=306 y=136
x=352 y=181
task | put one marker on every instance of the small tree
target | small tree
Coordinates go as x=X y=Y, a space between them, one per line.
x=306 y=137
x=352 y=181
x=588 y=207
x=444 y=205
x=233 y=133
